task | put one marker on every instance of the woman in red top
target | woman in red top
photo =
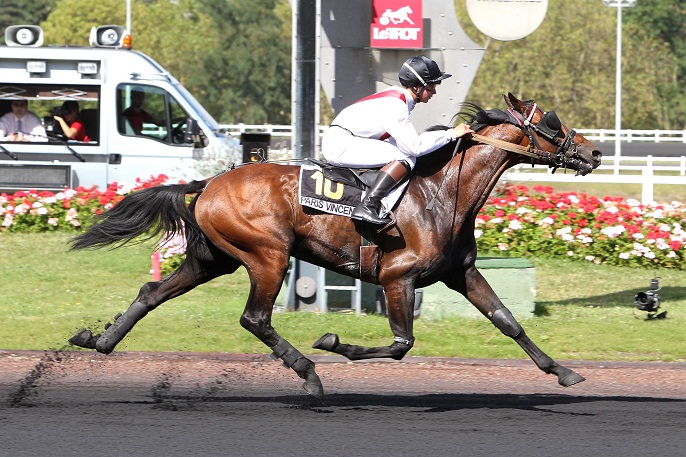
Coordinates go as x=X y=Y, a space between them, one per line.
x=71 y=124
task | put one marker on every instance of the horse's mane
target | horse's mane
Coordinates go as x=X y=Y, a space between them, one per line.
x=476 y=117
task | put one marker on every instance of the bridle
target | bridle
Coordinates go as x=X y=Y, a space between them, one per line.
x=550 y=129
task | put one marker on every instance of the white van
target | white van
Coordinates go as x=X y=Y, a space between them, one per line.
x=121 y=144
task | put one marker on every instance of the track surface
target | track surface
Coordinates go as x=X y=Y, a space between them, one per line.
x=144 y=404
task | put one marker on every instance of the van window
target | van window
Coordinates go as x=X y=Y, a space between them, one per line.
x=41 y=103
x=149 y=111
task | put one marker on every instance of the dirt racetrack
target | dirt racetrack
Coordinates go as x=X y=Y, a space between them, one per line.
x=129 y=404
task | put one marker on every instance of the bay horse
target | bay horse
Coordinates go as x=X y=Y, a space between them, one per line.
x=250 y=216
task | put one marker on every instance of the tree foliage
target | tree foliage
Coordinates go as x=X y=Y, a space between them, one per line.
x=232 y=55
x=24 y=12
x=247 y=77
x=665 y=22
x=568 y=64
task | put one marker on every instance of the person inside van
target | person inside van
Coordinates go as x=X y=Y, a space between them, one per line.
x=71 y=123
x=136 y=115
x=20 y=124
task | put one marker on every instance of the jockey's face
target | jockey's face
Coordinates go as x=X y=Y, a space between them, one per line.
x=428 y=92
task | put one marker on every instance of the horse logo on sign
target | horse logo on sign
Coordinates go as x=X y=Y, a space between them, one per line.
x=396 y=17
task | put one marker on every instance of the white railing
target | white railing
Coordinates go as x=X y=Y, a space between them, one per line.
x=630 y=136
x=633 y=170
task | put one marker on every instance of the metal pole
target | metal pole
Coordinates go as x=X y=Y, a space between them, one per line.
x=128 y=16
x=618 y=89
x=618 y=78
x=305 y=78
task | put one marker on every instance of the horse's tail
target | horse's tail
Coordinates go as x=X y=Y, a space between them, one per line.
x=143 y=215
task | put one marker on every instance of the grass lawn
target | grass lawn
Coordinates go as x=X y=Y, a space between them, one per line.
x=584 y=311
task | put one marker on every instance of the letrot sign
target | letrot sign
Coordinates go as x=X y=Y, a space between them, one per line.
x=396 y=24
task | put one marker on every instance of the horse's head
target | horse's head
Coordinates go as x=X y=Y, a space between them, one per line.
x=565 y=147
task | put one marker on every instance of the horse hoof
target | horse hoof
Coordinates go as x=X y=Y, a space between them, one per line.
x=84 y=339
x=313 y=385
x=328 y=342
x=102 y=346
x=569 y=378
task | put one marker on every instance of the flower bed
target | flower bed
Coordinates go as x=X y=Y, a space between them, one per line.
x=610 y=230
x=71 y=209
x=517 y=222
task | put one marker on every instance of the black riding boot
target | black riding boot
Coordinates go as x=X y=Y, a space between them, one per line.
x=389 y=176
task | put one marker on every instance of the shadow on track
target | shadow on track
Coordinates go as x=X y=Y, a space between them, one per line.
x=434 y=403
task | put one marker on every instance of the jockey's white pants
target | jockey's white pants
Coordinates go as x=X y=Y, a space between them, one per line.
x=341 y=147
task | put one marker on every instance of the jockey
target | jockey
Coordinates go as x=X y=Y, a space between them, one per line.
x=376 y=132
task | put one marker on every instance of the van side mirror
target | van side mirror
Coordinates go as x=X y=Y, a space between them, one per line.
x=24 y=35
x=195 y=135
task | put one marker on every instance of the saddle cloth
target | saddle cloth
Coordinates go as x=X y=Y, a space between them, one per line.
x=339 y=190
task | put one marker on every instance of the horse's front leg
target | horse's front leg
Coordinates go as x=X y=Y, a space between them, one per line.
x=477 y=290
x=400 y=307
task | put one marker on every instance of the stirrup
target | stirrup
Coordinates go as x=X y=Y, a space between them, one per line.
x=364 y=214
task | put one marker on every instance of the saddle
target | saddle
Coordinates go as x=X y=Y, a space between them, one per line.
x=362 y=178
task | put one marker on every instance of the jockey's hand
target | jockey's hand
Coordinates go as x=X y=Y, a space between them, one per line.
x=459 y=131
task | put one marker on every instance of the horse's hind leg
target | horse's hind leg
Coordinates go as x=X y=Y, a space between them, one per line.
x=189 y=275
x=477 y=290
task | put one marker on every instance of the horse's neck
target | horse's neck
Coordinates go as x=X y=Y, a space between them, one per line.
x=471 y=175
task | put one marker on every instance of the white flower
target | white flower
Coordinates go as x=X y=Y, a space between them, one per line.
x=563 y=230
x=613 y=231
x=612 y=209
x=590 y=258
x=570 y=253
x=624 y=255
x=515 y=224
x=503 y=246
x=638 y=236
x=478 y=233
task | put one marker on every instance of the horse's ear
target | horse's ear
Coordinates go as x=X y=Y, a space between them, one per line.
x=518 y=105
x=508 y=99
x=514 y=102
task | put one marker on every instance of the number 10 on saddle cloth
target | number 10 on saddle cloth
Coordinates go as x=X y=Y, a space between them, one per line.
x=320 y=192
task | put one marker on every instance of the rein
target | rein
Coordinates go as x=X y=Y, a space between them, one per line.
x=511 y=147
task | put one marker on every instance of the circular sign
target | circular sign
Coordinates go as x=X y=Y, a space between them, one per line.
x=507 y=20
x=305 y=287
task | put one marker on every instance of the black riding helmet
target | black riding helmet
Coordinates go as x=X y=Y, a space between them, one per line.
x=420 y=71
